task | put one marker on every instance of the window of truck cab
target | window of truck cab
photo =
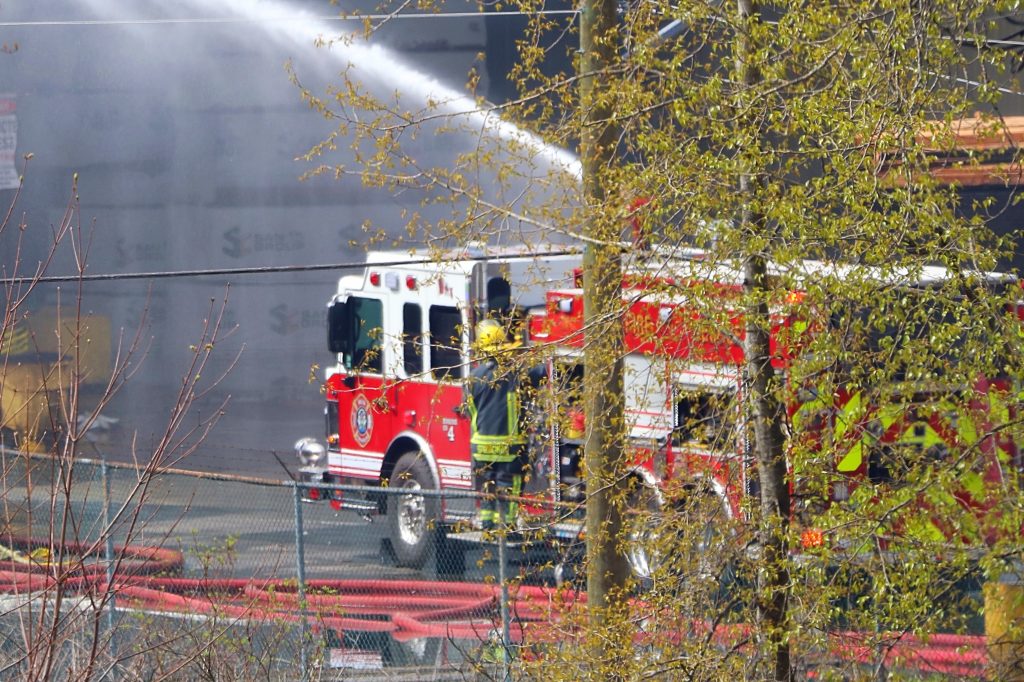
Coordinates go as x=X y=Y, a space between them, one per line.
x=705 y=417
x=447 y=359
x=362 y=331
x=412 y=341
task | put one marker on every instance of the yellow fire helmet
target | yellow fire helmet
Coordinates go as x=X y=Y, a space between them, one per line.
x=491 y=337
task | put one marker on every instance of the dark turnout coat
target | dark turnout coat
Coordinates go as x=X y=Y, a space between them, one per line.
x=492 y=399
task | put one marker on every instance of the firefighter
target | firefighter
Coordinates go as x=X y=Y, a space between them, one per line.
x=492 y=400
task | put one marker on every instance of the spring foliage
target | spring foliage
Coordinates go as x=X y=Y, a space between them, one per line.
x=790 y=145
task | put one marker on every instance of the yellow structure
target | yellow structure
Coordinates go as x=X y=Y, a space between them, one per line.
x=1004 y=628
x=41 y=356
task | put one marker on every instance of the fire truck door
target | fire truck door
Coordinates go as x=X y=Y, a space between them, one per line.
x=366 y=399
x=440 y=393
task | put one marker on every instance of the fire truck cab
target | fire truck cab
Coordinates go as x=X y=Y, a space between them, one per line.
x=402 y=333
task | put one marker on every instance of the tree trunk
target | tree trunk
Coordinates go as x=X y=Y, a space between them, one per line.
x=607 y=571
x=767 y=413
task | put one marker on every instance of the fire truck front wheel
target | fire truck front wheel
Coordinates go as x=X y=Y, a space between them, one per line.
x=412 y=518
x=642 y=519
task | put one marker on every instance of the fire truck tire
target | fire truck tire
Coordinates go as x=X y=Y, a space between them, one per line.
x=704 y=546
x=412 y=518
x=642 y=521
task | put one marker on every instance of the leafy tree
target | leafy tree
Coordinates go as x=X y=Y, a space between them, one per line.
x=767 y=165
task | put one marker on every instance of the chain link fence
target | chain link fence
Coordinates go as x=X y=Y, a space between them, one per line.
x=122 y=573
x=219 y=577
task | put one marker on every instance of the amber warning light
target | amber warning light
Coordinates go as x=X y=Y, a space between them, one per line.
x=811 y=538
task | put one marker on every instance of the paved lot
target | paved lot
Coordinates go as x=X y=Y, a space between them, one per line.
x=225 y=528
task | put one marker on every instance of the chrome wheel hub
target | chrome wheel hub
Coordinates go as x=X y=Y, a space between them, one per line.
x=412 y=514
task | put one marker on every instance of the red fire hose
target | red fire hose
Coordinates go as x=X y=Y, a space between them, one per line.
x=405 y=608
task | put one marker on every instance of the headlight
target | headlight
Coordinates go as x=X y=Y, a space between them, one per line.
x=309 y=451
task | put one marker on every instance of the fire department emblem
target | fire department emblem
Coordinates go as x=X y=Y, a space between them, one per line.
x=362 y=420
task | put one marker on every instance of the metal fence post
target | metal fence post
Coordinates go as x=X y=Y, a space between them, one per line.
x=108 y=555
x=300 y=573
x=506 y=638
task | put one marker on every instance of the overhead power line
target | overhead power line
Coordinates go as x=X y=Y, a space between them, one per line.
x=275 y=19
x=271 y=269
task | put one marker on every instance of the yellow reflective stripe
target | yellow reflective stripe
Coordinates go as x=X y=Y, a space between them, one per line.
x=973 y=483
x=513 y=504
x=929 y=438
x=496 y=440
x=512 y=413
x=494 y=452
x=925 y=529
x=480 y=439
x=472 y=414
x=484 y=450
x=845 y=418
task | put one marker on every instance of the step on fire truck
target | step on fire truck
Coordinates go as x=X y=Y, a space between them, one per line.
x=402 y=335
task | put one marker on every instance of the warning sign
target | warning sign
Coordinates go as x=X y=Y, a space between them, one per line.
x=8 y=142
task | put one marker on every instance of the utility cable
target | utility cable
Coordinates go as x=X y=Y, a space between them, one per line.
x=270 y=269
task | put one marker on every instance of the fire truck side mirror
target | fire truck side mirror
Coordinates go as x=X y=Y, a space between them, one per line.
x=499 y=295
x=339 y=327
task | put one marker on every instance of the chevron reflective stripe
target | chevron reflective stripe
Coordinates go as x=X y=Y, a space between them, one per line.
x=16 y=341
x=930 y=428
x=846 y=418
x=848 y=427
x=974 y=483
x=924 y=529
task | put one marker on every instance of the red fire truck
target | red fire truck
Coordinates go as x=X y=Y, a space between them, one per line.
x=402 y=335
x=401 y=332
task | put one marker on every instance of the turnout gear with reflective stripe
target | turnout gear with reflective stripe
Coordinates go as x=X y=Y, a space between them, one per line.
x=502 y=482
x=492 y=399
x=497 y=440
